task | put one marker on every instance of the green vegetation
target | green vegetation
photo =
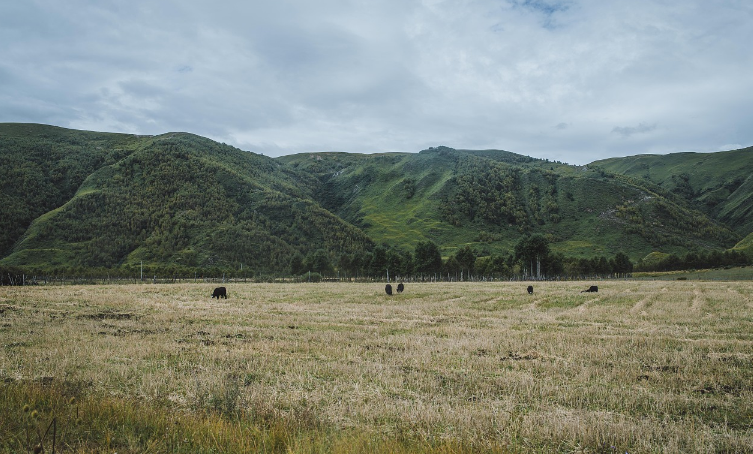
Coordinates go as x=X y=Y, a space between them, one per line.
x=177 y=200
x=745 y=245
x=490 y=199
x=88 y=423
x=719 y=184
x=42 y=167
x=184 y=205
x=392 y=197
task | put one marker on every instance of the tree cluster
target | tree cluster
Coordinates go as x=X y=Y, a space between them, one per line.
x=493 y=192
x=486 y=191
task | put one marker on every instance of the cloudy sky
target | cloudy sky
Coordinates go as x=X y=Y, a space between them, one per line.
x=571 y=80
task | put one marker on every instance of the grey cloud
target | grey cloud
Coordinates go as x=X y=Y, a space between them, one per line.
x=628 y=131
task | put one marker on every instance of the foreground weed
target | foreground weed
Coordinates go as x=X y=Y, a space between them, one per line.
x=40 y=423
x=106 y=424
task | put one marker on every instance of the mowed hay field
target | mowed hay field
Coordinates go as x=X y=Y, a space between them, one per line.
x=640 y=366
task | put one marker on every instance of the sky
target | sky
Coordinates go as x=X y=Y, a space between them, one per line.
x=567 y=80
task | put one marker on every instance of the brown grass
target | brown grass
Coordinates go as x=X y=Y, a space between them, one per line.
x=641 y=366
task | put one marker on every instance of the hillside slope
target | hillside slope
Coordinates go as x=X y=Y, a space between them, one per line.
x=719 y=184
x=490 y=199
x=42 y=167
x=745 y=245
x=183 y=200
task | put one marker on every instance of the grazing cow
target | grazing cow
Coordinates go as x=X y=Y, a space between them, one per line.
x=591 y=289
x=530 y=289
x=219 y=292
x=388 y=289
x=400 y=288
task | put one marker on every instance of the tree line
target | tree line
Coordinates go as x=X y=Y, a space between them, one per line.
x=530 y=259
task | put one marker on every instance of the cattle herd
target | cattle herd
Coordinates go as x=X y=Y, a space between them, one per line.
x=221 y=292
x=401 y=287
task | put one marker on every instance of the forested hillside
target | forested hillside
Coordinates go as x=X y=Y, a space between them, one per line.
x=719 y=184
x=173 y=199
x=82 y=200
x=42 y=167
x=491 y=199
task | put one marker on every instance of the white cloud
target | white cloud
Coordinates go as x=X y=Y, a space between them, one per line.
x=568 y=80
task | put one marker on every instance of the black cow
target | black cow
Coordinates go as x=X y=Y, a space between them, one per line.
x=219 y=292
x=530 y=289
x=400 y=288
x=388 y=289
x=591 y=289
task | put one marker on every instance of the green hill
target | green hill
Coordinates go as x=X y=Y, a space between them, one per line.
x=719 y=184
x=86 y=199
x=42 y=167
x=490 y=199
x=175 y=199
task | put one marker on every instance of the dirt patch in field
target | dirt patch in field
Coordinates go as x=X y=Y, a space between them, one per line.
x=108 y=315
x=119 y=331
x=7 y=307
x=718 y=389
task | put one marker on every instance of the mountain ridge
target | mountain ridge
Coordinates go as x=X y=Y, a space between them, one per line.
x=89 y=199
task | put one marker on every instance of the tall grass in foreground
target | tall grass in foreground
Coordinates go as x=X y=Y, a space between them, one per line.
x=107 y=424
x=638 y=367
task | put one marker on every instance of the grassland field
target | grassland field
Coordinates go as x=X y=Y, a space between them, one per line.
x=641 y=366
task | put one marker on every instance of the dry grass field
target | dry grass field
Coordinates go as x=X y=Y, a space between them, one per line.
x=640 y=366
